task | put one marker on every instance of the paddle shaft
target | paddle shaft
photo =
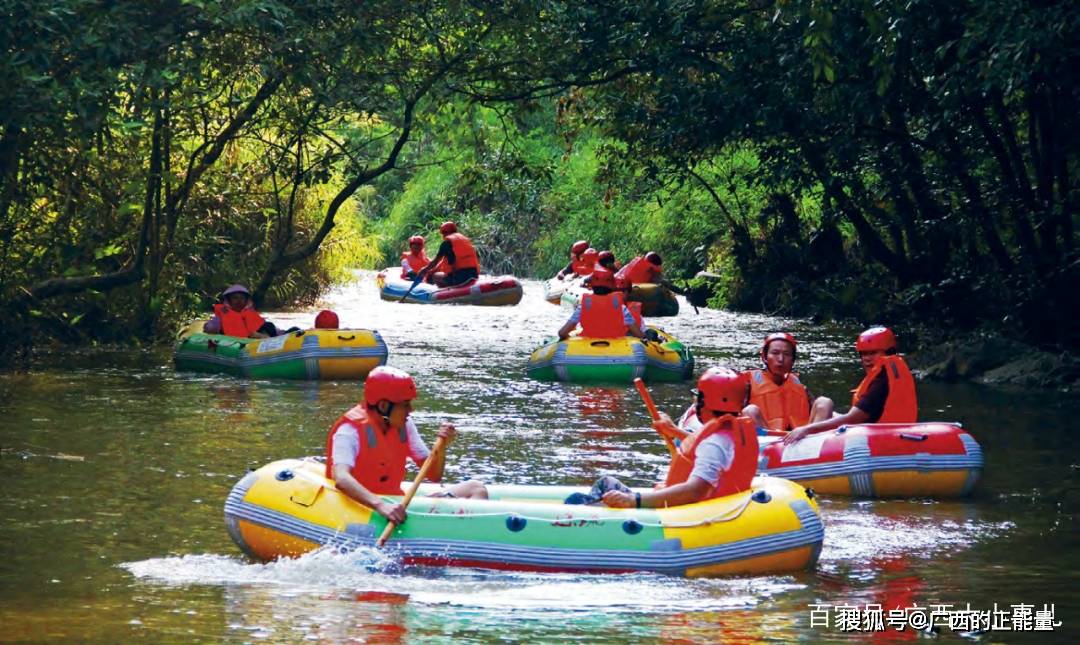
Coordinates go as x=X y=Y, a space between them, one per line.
x=653 y=412
x=440 y=443
x=411 y=287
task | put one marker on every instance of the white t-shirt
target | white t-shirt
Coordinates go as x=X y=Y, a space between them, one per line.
x=346 y=446
x=713 y=456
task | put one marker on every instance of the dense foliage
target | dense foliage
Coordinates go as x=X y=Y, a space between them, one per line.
x=859 y=158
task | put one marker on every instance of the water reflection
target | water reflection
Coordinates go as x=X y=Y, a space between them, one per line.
x=116 y=468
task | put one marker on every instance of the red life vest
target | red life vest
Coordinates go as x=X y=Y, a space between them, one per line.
x=784 y=406
x=735 y=479
x=464 y=253
x=581 y=267
x=901 y=406
x=416 y=262
x=380 y=466
x=639 y=270
x=241 y=323
x=601 y=316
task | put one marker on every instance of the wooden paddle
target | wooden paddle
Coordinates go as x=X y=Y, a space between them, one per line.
x=440 y=443
x=654 y=413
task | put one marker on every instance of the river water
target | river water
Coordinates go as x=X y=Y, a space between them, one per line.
x=117 y=467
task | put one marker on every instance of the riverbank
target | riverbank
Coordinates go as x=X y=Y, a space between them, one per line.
x=997 y=360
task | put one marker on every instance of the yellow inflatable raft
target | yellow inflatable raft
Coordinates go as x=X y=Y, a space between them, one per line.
x=288 y=508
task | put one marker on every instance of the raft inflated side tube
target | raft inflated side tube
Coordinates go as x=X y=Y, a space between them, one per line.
x=487 y=290
x=881 y=460
x=773 y=528
x=309 y=354
x=580 y=359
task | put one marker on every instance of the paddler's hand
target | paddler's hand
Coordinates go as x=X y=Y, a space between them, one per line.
x=393 y=512
x=665 y=426
x=796 y=434
x=620 y=499
x=447 y=431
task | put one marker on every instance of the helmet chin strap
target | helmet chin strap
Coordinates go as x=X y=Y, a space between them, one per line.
x=386 y=415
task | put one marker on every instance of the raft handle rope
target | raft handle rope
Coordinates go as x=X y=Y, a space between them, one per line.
x=727 y=515
x=340 y=337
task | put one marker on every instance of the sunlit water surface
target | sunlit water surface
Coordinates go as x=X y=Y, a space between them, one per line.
x=116 y=469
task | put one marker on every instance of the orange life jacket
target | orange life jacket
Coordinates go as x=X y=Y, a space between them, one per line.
x=601 y=316
x=416 y=262
x=784 y=406
x=901 y=406
x=380 y=466
x=581 y=267
x=464 y=253
x=241 y=323
x=743 y=467
x=639 y=270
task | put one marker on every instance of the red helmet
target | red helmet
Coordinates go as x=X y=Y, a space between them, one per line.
x=780 y=335
x=590 y=255
x=447 y=228
x=722 y=389
x=652 y=257
x=604 y=256
x=417 y=239
x=876 y=338
x=579 y=246
x=602 y=278
x=389 y=384
x=326 y=320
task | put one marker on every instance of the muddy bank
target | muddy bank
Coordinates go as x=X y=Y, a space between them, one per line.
x=997 y=361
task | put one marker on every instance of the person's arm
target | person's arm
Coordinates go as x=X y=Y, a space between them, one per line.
x=631 y=323
x=347 y=484
x=692 y=490
x=851 y=417
x=667 y=428
x=570 y=324
x=345 y=450
x=565 y=271
x=212 y=326
x=418 y=450
x=444 y=250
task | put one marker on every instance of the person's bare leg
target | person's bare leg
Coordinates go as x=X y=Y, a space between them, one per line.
x=754 y=412
x=821 y=409
x=471 y=489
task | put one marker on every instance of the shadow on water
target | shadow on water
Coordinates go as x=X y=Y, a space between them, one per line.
x=117 y=467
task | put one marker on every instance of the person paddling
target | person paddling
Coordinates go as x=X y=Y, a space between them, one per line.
x=367 y=446
x=460 y=256
x=602 y=313
x=578 y=263
x=718 y=460
x=885 y=395
x=643 y=269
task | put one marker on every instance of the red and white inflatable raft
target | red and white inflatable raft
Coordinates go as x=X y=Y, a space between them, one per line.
x=932 y=459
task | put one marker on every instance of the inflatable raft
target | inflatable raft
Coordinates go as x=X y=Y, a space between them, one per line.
x=555 y=288
x=288 y=508
x=308 y=354
x=580 y=359
x=491 y=291
x=655 y=299
x=876 y=460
